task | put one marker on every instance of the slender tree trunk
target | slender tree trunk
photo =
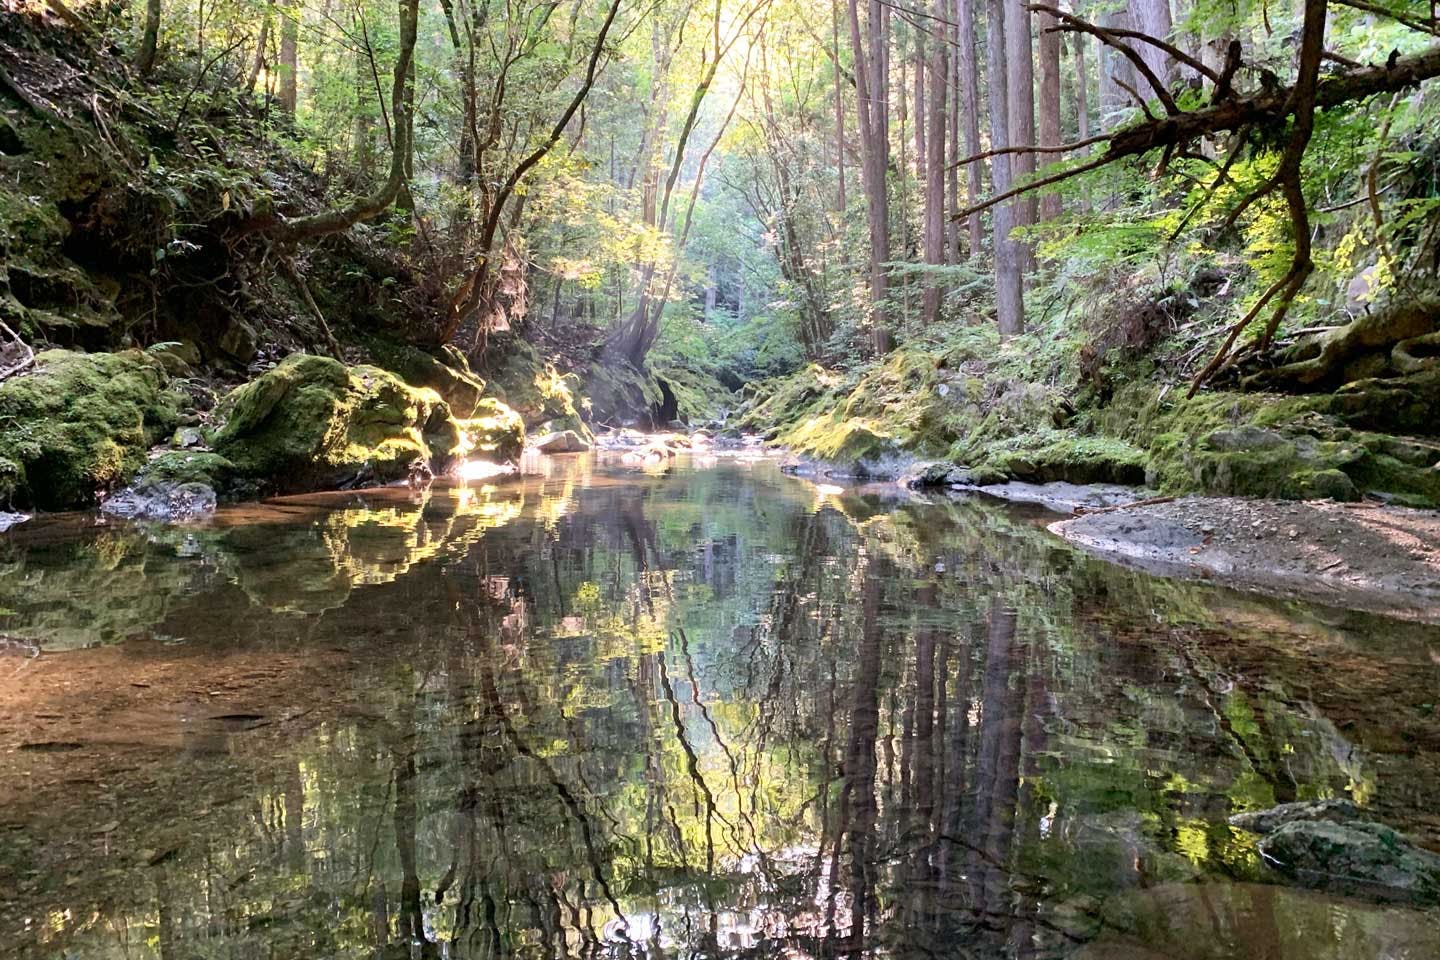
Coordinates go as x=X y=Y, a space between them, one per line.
x=840 y=199
x=969 y=109
x=289 y=59
x=952 y=145
x=1082 y=103
x=874 y=158
x=1020 y=88
x=150 y=40
x=935 y=175
x=259 y=62
x=1009 y=286
x=1049 y=105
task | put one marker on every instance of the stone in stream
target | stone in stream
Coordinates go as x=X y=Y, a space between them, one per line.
x=169 y=502
x=566 y=441
x=8 y=520
x=1325 y=845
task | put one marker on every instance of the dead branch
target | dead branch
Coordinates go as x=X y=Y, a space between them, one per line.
x=27 y=358
x=1033 y=148
x=1423 y=26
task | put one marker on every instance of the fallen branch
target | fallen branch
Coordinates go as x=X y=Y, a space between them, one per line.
x=1149 y=502
x=26 y=361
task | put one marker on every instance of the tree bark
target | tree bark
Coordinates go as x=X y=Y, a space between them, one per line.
x=935 y=176
x=1082 y=102
x=259 y=61
x=150 y=40
x=1116 y=73
x=1020 y=89
x=874 y=158
x=289 y=59
x=969 y=109
x=1009 y=288
x=1049 y=105
x=840 y=199
x=1153 y=17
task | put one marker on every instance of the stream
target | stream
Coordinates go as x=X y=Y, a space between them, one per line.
x=696 y=709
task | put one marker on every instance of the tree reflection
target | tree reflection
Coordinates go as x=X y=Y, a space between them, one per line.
x=690 y=718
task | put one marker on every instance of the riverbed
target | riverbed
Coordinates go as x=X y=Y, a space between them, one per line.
x=689 y=709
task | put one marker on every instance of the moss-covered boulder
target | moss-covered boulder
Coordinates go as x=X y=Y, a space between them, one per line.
x=80 y=424
x=493 y=432
x=448 y=374
x=312 y=423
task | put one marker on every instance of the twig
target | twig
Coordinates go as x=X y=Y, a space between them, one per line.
x=25 y=363
x=298 y=282
x=1149 y=502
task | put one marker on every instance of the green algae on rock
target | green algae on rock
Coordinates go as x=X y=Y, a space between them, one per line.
x=79 y=424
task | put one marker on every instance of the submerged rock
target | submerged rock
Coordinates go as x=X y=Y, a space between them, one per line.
x=1356 y=857
x=1329 y=845
x=159 y=500
x=79 y=424
x=1268 y=821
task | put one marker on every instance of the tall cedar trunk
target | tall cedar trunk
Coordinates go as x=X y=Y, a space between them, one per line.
x=1082 y=102
x=1020 y=87
x=840 y=199
x=874 y=157
x=920 y=152
x=952 y=144
x=969 y=109
x=1116 y=73
x=1153 y=17
x=289 y=59
x=935 y=174
x=1009 y=289
x=150 y=40
x=1049 y=105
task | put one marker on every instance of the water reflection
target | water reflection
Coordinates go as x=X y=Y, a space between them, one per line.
x=701 y=713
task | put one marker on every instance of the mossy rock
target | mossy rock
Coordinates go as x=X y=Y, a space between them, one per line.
x=80 y=424
x=313 y=423
x=495 y=432
x=1046 y=458
x=448 y=374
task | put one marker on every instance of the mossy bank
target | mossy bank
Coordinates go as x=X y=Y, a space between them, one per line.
x=80 y=426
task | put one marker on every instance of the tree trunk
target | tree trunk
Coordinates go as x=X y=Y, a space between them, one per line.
x=1116 y=73
x=840 y=199
x=1153 y=17
x=969 y=109
x=289 y=59
x=1082 y=102
x=1009 y=289
x=935 y=175
x=150 y=40
x=364 y=208
x=874 y=158
x=259 y=62
x=1020 y=89
x=1049 y=106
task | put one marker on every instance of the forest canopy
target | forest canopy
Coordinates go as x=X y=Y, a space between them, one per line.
x=746 y=186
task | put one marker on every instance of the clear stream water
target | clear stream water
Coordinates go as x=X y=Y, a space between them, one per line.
x=711 y=711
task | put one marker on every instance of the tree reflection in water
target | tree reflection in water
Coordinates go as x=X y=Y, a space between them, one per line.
x=707 y=715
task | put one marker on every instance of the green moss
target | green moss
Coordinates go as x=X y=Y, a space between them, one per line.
x=1057 y=455
x=698 y=396
x=448 y=374
x=312 y=422
x=190 y=466
x=80 y=424
x=495 y=432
